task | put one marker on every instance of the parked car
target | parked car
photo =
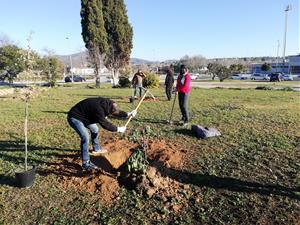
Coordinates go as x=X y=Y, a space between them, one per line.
x=275 y=77
x=76 y=78
x=258 y=76
x=194 y=76
x=287 y=77
x=239 y=76
x=68 y=79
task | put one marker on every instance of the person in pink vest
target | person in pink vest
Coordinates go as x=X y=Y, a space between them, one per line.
x=183 y=88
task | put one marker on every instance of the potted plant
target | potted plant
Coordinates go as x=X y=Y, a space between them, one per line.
x=25 y=175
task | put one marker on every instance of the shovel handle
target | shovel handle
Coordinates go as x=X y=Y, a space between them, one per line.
x=136 y=108
x=173 y=107
x=149 y=92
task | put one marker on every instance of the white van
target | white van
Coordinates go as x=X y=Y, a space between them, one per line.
x=258 y=76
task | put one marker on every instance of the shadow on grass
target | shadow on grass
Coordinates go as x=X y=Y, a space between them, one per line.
x=18 y=145
x=7 y=180
x=102 y=96
x=226 y=183
x=70 y=166
x=48 y=160
x=63 y=166
x=157 y=121
x=62 y=112
x=186 y=132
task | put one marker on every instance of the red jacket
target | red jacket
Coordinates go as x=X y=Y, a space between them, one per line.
x=184 y=83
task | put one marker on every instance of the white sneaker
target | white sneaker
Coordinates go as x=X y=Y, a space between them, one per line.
x=185 y=125
x=99 y=152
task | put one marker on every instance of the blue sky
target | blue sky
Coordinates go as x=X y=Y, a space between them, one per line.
x=163 y=29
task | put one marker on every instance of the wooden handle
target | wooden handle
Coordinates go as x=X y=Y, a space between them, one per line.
x=136 y=108
x=149 y=92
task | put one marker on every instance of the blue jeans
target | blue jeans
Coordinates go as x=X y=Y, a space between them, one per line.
x=135 y=90
x=83 y=133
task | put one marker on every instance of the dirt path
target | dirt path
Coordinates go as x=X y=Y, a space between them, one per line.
x=6 y=91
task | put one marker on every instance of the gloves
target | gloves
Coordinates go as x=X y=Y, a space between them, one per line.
x=132 y=113
x=121 y=129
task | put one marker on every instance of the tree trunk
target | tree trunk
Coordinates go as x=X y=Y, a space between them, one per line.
x=97 y=73
x=25 y=131
x=115 y=75
x=98 y=80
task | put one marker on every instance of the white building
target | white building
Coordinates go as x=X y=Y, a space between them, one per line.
x=294 y=64
x=291 y=66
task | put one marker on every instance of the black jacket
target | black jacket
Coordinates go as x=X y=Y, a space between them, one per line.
x=94 y=110
x=169 y=78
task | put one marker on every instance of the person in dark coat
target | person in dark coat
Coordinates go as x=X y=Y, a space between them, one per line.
x=85 y=115
x=169 y=82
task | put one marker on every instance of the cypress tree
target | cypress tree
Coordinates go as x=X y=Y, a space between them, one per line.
x=119 y=33
x=93 y=33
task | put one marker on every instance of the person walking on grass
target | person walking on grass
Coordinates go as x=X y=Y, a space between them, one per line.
x=183 y=88
x=137 y=82
x=85 y=115
x=169 y=82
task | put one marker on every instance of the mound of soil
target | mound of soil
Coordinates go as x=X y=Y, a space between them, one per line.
x=170 y=154
x=150 y=99
x=146 y=99
x=163 y=156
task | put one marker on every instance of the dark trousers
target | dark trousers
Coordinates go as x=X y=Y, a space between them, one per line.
x=169 y=92
x=183 y=104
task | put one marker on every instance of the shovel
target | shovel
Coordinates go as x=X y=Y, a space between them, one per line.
x=137 y=107
x=171 y=115
x=149 y=92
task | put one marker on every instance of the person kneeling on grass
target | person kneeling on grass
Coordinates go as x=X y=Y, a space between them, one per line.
x=84 y=116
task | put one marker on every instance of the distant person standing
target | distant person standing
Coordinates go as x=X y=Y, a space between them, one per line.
x=137 y=82
x=183 y=87
x=169 y=82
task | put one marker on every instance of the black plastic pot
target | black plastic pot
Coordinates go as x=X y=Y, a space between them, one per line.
x=131 y=99
x=25 y=179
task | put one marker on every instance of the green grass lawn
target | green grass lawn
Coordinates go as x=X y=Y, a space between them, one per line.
x=249 y=175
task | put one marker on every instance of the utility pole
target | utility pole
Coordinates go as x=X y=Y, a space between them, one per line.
x=288 y=8
x=71 y=66
x=277 y=59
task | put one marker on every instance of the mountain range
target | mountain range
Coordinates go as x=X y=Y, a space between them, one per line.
x=81 y=60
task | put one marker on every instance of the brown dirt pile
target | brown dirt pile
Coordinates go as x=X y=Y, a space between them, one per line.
x=150 y=99
x=170 y=154
x=162 y=156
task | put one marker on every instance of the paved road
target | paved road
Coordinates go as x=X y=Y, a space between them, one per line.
x=246 y=84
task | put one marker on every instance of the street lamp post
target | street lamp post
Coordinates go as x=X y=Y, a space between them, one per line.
x=288 y=8
x=277 y=57
x=71 y=66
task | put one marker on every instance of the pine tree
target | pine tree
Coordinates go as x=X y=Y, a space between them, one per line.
x=120 y=35
x=93 y=33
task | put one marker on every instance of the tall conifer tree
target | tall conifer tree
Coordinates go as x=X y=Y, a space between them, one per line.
x=93 y=33
x=120 y=35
